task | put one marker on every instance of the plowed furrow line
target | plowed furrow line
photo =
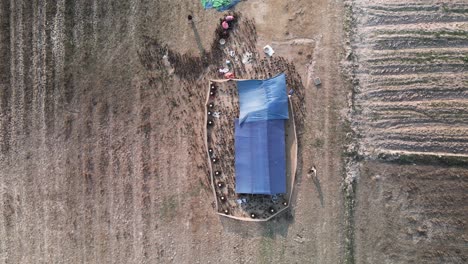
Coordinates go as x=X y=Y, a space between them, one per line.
x=81 y=177
x=418 y=117
x=18 y=237
x=95 y=21
x=31 y=204
x=412 y=53
x=402 y=82
x=414 y=7
x=3 y=219
x=50 y=83
x=437 y=30
x=125 y=234
x=441 y=190
x=443 y=177
x=69 y=51
x=145 y=131
x=114 y=187
x=133 y=169
x=58 y=49
x=39 y=37
x=423 y=138
x=436 y=130
x=416 y=59
x=5 y=72
x=8 y=221
x=40 y=126
x=17 y=75
x=436 y=113
x=417 y=42
x=415 y=69
x=74 y=176
x=52 y=122
x=396 y=81
x=389 y=18
x=459 y=103
x=122 y=209
x=9 y=216
x=86 y=21
x=104 y=221
x=433 y=147
x=59 y=160
x=419 y=32
x=37 y=114
x=74 y=208
x=129 y=231
x=411 y=81
x=414 y=94
x=401 y=9
x=89 y=192
x=403 y=122
x=422 y=107
x=28 y=62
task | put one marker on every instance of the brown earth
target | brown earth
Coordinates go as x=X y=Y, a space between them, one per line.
x=101 y=148
x=411 y=121
x=101 y=144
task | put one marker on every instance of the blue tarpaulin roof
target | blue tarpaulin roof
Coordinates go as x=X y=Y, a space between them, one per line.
x=260 y=157
x=220 y=5
x=263 y=99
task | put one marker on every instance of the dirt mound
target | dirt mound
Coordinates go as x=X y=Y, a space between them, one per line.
x=101 y=151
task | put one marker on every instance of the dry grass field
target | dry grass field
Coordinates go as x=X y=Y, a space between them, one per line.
x=411 y=119
x=412 y=92
x=102 y=157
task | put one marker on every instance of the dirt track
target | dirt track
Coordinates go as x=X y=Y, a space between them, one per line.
x=101 y=147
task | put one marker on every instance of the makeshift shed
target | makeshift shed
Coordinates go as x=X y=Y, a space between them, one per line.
x=263 y=99
x=260 y=157
x=260 y=142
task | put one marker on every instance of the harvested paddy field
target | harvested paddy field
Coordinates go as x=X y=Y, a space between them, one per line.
x=412 y=90
x=410 y=113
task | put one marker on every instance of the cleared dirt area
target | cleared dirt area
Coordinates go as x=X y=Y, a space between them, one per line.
x=412 y=92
